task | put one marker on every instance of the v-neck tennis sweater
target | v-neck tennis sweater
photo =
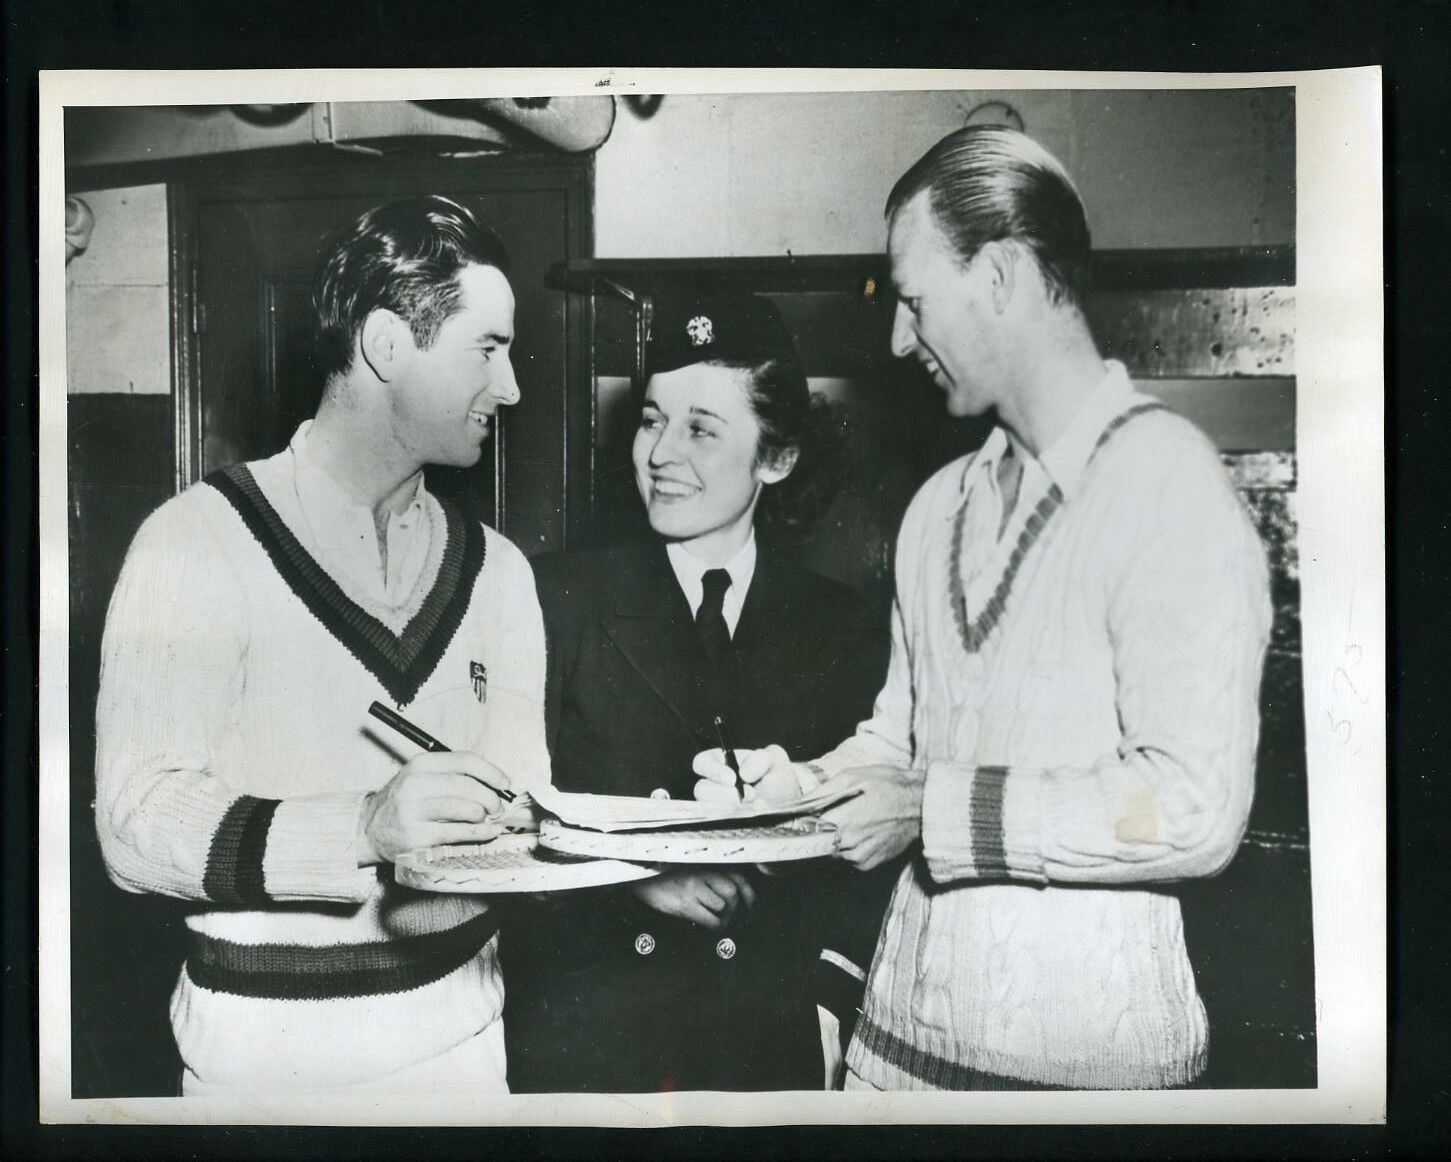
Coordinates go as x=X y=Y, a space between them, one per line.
x=1080 y=694
x=235 y=751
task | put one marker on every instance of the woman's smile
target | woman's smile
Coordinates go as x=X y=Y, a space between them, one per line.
x=671 y=490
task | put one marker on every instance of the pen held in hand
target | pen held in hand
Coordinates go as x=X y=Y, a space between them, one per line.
x=421 y=737
x=730 y=758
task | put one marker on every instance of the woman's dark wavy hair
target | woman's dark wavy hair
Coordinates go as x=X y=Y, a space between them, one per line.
x=791 y=417
x=405 y=257
x=987 y=183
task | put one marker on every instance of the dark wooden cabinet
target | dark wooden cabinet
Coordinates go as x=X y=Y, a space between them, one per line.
x=124 y=949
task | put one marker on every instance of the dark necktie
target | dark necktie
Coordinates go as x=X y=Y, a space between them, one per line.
x=710 y=621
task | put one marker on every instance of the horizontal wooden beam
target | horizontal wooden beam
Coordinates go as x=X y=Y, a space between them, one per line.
x=1210 y=333
x=1238 y=414
x=869 y=274
x=1203 y=332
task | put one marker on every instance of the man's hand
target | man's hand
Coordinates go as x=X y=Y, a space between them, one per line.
x=708 y=896
x=882 y=820
x=769 y=776
x=433 y=799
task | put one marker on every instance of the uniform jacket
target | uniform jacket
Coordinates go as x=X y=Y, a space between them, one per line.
x=606 y=994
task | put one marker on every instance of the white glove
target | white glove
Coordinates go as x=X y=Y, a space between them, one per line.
x=767 y=775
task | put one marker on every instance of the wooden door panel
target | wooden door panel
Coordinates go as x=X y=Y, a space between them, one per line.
x=293 y=385
x=228 y=312
x=258 y=237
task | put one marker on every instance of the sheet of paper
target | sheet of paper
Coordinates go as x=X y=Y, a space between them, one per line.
x=632 y=813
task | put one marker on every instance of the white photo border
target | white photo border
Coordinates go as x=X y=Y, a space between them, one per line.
x=1340 y=451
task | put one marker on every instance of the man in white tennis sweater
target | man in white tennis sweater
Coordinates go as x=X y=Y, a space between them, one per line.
x=1070 y=714
x=257 y=617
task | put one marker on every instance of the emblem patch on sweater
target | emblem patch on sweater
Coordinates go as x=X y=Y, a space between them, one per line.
x=479 y=676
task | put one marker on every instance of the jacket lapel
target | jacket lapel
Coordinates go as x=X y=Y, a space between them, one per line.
x=652 y=626
x=765 y=643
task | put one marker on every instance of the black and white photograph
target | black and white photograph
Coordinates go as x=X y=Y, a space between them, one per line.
x=616 y=599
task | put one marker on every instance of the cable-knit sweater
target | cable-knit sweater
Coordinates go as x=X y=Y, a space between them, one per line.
x=1077 y=683
x=244 y=643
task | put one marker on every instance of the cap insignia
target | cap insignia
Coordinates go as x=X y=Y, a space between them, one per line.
x=700 y=330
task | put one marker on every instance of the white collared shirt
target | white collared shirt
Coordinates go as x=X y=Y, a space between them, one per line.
x=1066 y=457
x=690 y=569
x=1061 y=464
x=341 y=535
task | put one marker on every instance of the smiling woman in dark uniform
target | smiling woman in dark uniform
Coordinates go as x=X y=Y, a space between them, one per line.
x=702 y=978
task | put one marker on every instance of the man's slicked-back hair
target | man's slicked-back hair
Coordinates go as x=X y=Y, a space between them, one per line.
x=987 y=183
x=404 y=257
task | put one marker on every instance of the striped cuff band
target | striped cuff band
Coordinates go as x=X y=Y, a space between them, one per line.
x=982 y=823
x=986 y=822
x=234 y=861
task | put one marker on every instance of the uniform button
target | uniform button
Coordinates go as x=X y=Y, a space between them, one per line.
x=725 y=948
x=659 y=793
x=644 y=944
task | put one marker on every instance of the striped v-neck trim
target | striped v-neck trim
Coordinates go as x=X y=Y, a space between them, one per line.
x=402 y=662
x=1120 y=420
x=974 y=631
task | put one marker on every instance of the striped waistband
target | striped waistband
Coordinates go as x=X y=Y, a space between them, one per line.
x=931 y=1069
x=300 y=972
x=939 y=1073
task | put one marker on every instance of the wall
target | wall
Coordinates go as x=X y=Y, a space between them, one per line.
x=804 y=173
x=772 y=173
x=118 y=297
x=118 y=368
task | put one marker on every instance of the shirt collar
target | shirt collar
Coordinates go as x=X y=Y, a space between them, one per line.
x=1065 y=459
x=690 y=569
x=318 y=490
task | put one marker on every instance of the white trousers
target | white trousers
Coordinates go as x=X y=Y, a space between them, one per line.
x=477 y=1065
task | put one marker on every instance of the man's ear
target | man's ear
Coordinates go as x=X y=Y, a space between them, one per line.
x=778 y=465
x=385 y=342
x=1000 y=263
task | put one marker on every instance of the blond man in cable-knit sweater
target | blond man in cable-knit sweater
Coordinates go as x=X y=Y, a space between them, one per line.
x=1070 y=717
x=256 y=618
